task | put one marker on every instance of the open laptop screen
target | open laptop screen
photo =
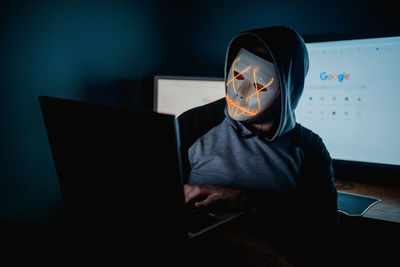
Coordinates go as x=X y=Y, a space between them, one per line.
x=351 y=98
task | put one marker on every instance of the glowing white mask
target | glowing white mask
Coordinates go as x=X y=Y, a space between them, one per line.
x=252 y=86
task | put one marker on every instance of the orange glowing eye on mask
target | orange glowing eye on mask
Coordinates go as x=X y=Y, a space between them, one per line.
x=252 y=86
x=238 y=76
x=258 y=86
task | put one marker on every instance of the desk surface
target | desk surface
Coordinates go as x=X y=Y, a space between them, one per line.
x=387 y=209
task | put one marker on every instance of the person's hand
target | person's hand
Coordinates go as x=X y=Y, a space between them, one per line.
x=213 y=197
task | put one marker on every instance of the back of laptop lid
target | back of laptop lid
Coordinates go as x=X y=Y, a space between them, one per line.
x=117 y=167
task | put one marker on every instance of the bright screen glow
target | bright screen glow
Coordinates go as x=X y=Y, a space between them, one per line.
x=351 y=98
x=177 y=95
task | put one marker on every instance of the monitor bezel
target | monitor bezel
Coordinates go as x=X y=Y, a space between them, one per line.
x=347 y=36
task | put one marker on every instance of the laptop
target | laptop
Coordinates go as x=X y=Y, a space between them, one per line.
x=119 y=168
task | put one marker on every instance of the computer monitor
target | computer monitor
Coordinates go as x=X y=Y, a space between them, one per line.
x=177 y=94
x=351 y=98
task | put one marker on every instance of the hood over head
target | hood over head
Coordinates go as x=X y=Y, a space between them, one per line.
x=286 y=49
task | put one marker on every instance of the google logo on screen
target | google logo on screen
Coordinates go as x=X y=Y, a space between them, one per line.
x=336 y=77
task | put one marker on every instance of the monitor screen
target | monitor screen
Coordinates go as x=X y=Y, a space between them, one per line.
x=351 y=98
x=177 y=94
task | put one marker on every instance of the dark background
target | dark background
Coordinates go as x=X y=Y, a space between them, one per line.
x=98 y=51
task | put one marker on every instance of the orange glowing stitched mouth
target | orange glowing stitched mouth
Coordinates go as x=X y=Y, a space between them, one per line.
x=235 y=109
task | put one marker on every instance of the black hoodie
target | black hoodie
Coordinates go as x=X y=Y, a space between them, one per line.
x=293 y=168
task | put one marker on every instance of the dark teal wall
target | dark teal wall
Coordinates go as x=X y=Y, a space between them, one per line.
x=99 y=50
x=214 y=23
x=85 y=50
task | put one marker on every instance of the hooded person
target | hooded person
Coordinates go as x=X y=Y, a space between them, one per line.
x=246 y=150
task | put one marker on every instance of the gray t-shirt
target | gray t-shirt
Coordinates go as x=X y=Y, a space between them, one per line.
x=227 y=157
